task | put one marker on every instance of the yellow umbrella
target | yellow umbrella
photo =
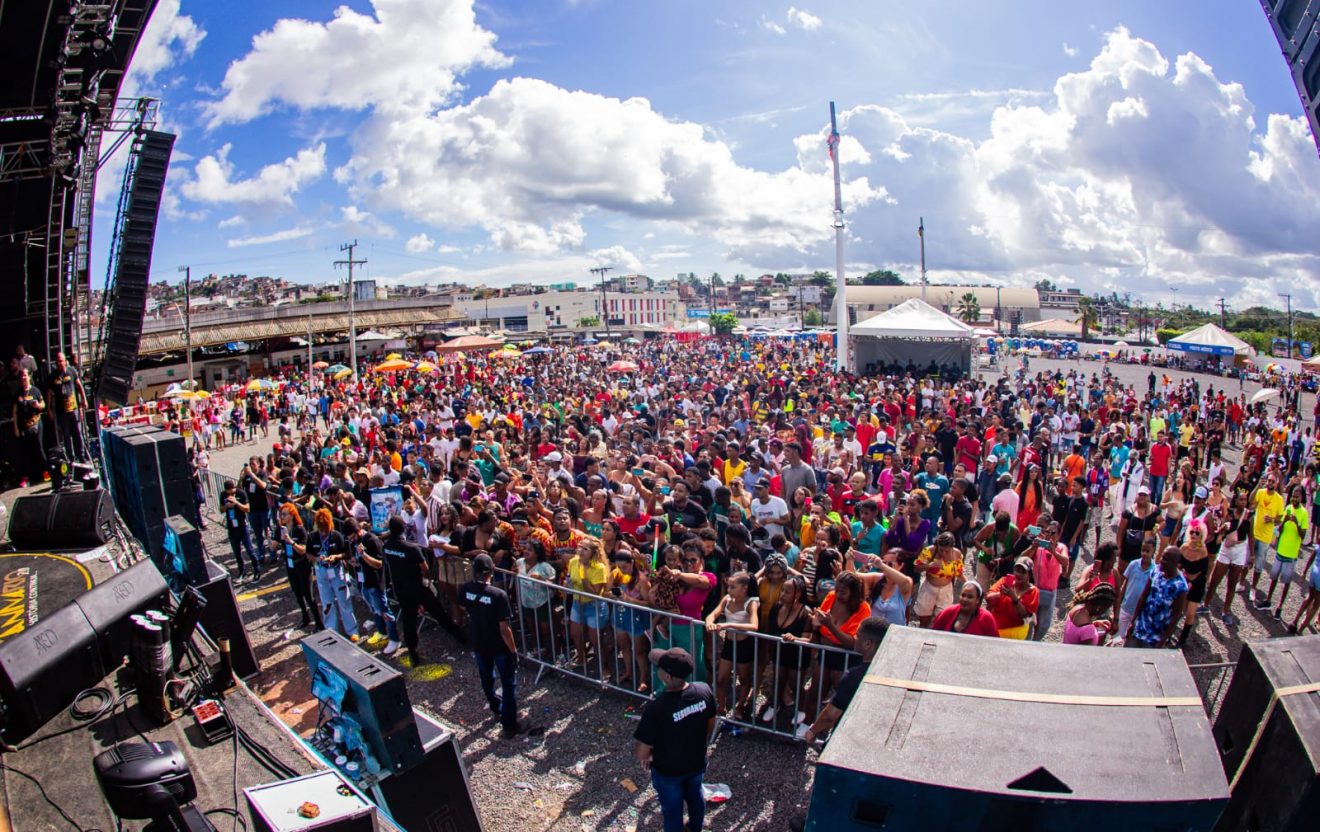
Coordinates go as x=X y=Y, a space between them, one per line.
x=393 y=356
x=511 y=347
x=393 y=365
x=253 y=386
x=342 y=374
x=424 y=367
x=506 y=353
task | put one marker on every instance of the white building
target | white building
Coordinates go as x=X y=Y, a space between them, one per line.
x=551 y=311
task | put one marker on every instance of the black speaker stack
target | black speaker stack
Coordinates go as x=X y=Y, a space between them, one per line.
x=221 y=619
x=1268 y=734
x=123 y=330
x=61 y=520
x=1294 y=25
x=43 y=668
x=148 y=474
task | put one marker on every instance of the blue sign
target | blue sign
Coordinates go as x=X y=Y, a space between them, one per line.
x=1200 y=349
x=705 y=313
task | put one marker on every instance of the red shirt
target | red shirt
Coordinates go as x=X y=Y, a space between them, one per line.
x=969 y=451
x=1160 y=454
x=982 y=624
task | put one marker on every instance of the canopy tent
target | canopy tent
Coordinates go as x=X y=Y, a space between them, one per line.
x=469 y=342
x=1210 y=340
x=1312 y=364
x=1052 y=326
x=912 y=332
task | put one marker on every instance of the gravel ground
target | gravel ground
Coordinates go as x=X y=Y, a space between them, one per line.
x=535 y=783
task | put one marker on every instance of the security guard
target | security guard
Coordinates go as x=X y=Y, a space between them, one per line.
x=406 y=562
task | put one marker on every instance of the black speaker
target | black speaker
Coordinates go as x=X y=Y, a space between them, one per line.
x=1270 y=751
x=64 y=520
x=132 y=252
x=185 y=556
x=42 y=669
x=376 y=697
x=1294 y=25
x=434 y=795
x=220 y=618
x=148 y=473
x=108 y=605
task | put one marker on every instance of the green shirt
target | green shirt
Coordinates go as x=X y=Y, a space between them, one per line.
x=1290 y=533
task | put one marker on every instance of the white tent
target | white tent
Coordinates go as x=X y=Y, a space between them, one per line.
x=1052 y=326
x=1210 y=340
x=913 y=332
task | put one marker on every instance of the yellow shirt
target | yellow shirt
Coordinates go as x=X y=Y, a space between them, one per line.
x=732 y=471
x=1270 y=505
x=584 y=577
x=1185 y=434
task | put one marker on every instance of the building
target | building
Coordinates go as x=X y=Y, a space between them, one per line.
x=1065 y=301
x=1010 y=302
x=551 y=311
x=629 y=283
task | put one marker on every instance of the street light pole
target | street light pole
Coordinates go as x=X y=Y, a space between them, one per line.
x=352 y=290
x=187 y=315
x=999 y=310
x=1290 y=323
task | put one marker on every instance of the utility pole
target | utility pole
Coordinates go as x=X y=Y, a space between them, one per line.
x=921 y=235
x=352 y=290
x=310 y=377
x=1290 y=323
x=1223 y=315
x=600 y=271
x=841 y=283
x=187 y=316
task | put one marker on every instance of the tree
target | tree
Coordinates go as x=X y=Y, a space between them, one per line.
x=722 y=323
x=1046 y=285
x=821 y=278
x=783 y=279
x=969 y=308
x=715 y=279
x=812 y=317
x=589 y=322
x=1088 y=316
x=882 y=277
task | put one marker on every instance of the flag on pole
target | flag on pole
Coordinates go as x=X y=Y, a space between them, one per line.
x=833 y=141
x=921 y=228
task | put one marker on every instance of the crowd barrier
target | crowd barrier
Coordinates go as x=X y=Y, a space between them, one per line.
x=788 y=676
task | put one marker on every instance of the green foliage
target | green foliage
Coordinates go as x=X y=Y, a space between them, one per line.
x=812 y=317
x=882 y=277
x=1165 y=334
x=821 y=278
x=969 y=308
x=1046 y=285
x=722 y=323
x=589 y=322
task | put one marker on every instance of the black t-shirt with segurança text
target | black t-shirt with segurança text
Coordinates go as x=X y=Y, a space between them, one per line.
x=674 y=724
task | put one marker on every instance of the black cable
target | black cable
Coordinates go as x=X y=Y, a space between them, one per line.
x=226 y=811
x=57 y=807
x=236 y=817
x=264 y=755
x=83 y=717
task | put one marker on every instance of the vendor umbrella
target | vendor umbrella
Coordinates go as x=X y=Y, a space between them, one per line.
x=392 y=365
x=622 y=367
x=336 y=369
x=538 y=351
x=341 y=374
x=320 y=365
x=424 y=367
x=1264 y=395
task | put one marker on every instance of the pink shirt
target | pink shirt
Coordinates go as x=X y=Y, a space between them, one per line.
x=1006 y=500
x=692 y=598
x=1048 y=568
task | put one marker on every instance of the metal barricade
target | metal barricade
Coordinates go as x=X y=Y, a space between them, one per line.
x=605 y=640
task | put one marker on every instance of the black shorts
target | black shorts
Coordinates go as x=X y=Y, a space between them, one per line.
x=746 y=651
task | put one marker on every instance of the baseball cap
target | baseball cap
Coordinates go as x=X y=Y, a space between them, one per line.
x=675 y=661
x=1024 y=562
x=1145 y=489
x=763 y=483
x=482 y=565
x=554 y=456
x=1202 y=492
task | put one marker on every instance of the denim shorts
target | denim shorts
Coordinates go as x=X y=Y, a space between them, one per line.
x=589 y=613
x=630 y=621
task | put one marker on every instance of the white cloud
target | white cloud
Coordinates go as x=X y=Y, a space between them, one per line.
x=213 y=181
x=1070 y=51
x=169 y=36
x=405 y=57
x=355 y=220
x=232 y=222
x=419 y=244
x=517 y=163
x=276 y=237
x=618 y=258
x=803 y=19
x=772 y=27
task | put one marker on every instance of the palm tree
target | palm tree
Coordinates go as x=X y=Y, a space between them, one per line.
x=969 y=308
x=1088 y=316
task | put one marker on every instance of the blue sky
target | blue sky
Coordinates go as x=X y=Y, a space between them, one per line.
x=1128 y=146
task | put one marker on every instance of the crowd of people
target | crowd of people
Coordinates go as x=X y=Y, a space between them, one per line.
x=728 y=496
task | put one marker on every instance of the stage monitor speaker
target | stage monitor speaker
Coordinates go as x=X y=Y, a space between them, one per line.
x=434 y=795
x=42 y=669
x=183 y=554
x=109 y=604
x=376 y=696
x=1294 y=26
x=274 y=806
x=137 y=234
x=220 y=618
x=1271 y=712
x=892 y=764
x=63 y=520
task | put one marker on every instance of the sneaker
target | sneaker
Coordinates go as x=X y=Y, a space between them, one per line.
x=1261 y=604
x=508 y=732
x=375 y=640
x=801 y=733
x=1278 y=613
x=1203 y=610
x=769 y=715
x=355 y=638
x=367 y=626
x=391 y=647
x=1229 y=619
x=800 y=717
